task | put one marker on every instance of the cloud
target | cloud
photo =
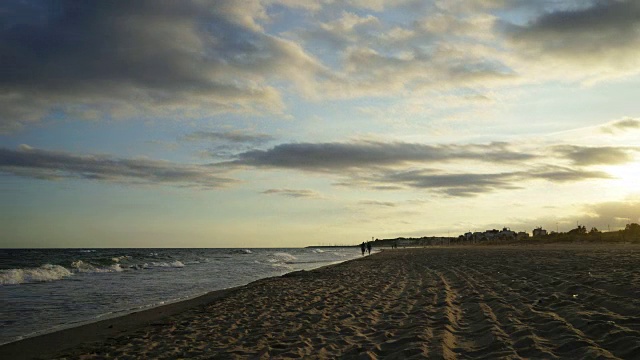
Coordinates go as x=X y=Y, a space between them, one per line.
x=377 y=203
x=375 y=165
x=602 y=38
x=225 y=144
x=603 y=155
x=239 y=137
x=394 y=166
x=430 y=50
x=328 y=157
x=51 y=165
x=462 y=185
x=613 y=214
x=561 y=174
x=124 y=59
x=621 y=125
x=293 y=193
x=465 y=184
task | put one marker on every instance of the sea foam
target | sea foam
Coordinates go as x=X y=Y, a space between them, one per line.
x=283 y=257
x=45 y=272
x=175 y=264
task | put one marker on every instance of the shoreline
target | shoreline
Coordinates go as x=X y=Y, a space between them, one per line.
x=447 y=302
x=55 y=341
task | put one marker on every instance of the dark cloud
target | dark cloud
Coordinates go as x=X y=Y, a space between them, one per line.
x=452 y=184
x=562 y=174
x=606 y=33
x=293 y=193
x=233 y=137
x=328 y=157
x=393 y=166
x=225 y=144
x=467 y=184
x=51 y=165
x=122 y=58
x=621 y=125
x=382 y=166
x=603 y=155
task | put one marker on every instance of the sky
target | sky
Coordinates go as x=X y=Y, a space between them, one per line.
x=285 y=123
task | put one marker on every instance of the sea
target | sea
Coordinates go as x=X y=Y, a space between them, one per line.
x=45 y=290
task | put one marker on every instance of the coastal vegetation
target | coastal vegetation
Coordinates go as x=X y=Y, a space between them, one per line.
x=580 y=234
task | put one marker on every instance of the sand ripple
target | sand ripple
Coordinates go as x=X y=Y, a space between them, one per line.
x=457 y=303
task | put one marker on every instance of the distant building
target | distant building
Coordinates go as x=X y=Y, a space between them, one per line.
x=522 y=235
x=539 y=231
x=507 y=234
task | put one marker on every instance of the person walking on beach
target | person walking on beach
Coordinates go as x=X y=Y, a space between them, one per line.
x=368 y=247
x=362 y=246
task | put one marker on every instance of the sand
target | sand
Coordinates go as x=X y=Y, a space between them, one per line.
x=455 y=303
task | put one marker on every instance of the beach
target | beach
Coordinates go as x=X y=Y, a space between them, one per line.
x=565 y=301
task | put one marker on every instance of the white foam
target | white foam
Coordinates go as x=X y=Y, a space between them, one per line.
x=120 y=258
x=116 y=268
x=83 y=267
x=283 y=266
x=175 y=264
x=283 y=256
x=45 y=272
x=317 y=251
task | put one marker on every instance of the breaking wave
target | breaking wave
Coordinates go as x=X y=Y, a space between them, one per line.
x=175 y=264
x=50 y=272
x=45 y=272
x=282 y=257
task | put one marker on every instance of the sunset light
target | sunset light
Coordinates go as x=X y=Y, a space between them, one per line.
x=320 y=179
x=284 y=123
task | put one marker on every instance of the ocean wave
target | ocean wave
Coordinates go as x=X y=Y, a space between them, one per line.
x=120 y=258
x=240 y=251
x=50 y=272
x=282 y=260
x=283 y=256
x=175 y=264
x=83 y=267
x=317 y=251
x=43 y=273
x=117 y=268
x=283 y=266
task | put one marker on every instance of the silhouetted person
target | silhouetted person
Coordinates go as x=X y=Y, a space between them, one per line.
x=362 y=246
x=368 y=248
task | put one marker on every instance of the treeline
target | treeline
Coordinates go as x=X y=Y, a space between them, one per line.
x=631 y=233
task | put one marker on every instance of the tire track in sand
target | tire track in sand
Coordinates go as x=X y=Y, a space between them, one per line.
x=552 y=331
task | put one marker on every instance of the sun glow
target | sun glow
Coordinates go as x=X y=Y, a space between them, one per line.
x=627 y=176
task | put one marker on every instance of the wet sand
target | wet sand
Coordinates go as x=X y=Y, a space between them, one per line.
x=454 y=303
